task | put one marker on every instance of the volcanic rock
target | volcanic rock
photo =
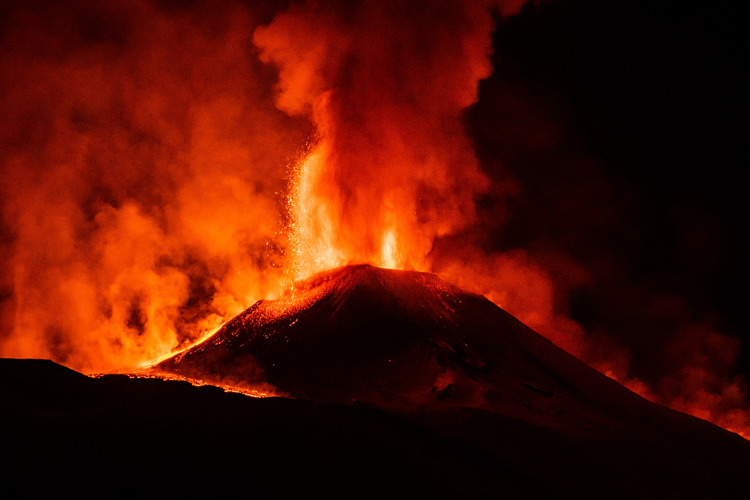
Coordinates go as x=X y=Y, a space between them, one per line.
x=405 y=340
x=453 y=362
x=66 y=435
x=397 y=384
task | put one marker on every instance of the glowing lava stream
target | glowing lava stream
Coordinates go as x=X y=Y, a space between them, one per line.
x=162 y=357
x=145 y=371
x=253 y=393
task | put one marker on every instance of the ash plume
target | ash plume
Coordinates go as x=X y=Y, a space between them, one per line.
x=140 y=165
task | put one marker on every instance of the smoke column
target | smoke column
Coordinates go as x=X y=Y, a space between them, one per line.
x=386 y=84
x=141 y=160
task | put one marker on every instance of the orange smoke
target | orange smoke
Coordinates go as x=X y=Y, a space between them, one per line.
x=392 y=169
x=141 y=166
x=386 y=85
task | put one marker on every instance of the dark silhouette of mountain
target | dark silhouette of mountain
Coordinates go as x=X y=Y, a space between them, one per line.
x=67 y=435
x=420 y=348
x=398 y=384
x=407 y=340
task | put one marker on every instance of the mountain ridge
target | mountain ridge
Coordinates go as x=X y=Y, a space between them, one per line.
x=405 y=340
x=396 y=383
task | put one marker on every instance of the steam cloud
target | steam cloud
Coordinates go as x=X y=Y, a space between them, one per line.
x=142 y=156
x=385 y=84
x=146 y=192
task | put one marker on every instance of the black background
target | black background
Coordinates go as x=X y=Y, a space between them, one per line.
x=622 y=126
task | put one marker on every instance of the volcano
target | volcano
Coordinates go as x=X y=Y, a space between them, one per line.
x=388 y=383
x=415 y=346
x=405 y=340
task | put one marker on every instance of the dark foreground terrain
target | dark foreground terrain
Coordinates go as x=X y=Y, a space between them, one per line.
x=64 y=434
x=399 y=385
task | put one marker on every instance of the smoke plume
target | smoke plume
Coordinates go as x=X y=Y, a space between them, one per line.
x=142 y=159
x=386 y=85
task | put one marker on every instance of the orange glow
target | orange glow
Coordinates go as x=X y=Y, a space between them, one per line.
x=392 y=168
x=314 y=242
x=139 y=181
x=315 y=226
x=261 y=391
x=389 y=254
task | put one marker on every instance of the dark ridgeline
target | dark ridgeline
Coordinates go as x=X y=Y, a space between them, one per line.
x=402 y=384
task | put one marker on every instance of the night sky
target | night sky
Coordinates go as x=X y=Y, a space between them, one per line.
x=623 y=125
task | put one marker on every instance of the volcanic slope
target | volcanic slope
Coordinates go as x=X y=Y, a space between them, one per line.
x=399 y=385
x=404 y=341
x=413 y=346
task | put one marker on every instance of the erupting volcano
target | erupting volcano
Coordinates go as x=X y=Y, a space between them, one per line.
x=399 y=339
x=444 y=379
x=404 y=340
x=465 y=235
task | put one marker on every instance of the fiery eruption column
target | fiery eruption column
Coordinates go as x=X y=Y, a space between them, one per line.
x=140 y=156
x=386 y=85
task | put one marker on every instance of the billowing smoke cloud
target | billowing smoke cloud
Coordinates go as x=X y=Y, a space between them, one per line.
x=142 y=157
x=386 y=84
x=622 y=276
x=394 y=180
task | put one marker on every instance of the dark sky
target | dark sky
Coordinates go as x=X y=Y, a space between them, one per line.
x=623 y=123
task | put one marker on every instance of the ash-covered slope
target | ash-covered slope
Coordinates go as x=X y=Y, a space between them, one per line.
x=403 y=340
x=66 y=435
x=453 y=363
x=460 y=401
x=391 y=338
